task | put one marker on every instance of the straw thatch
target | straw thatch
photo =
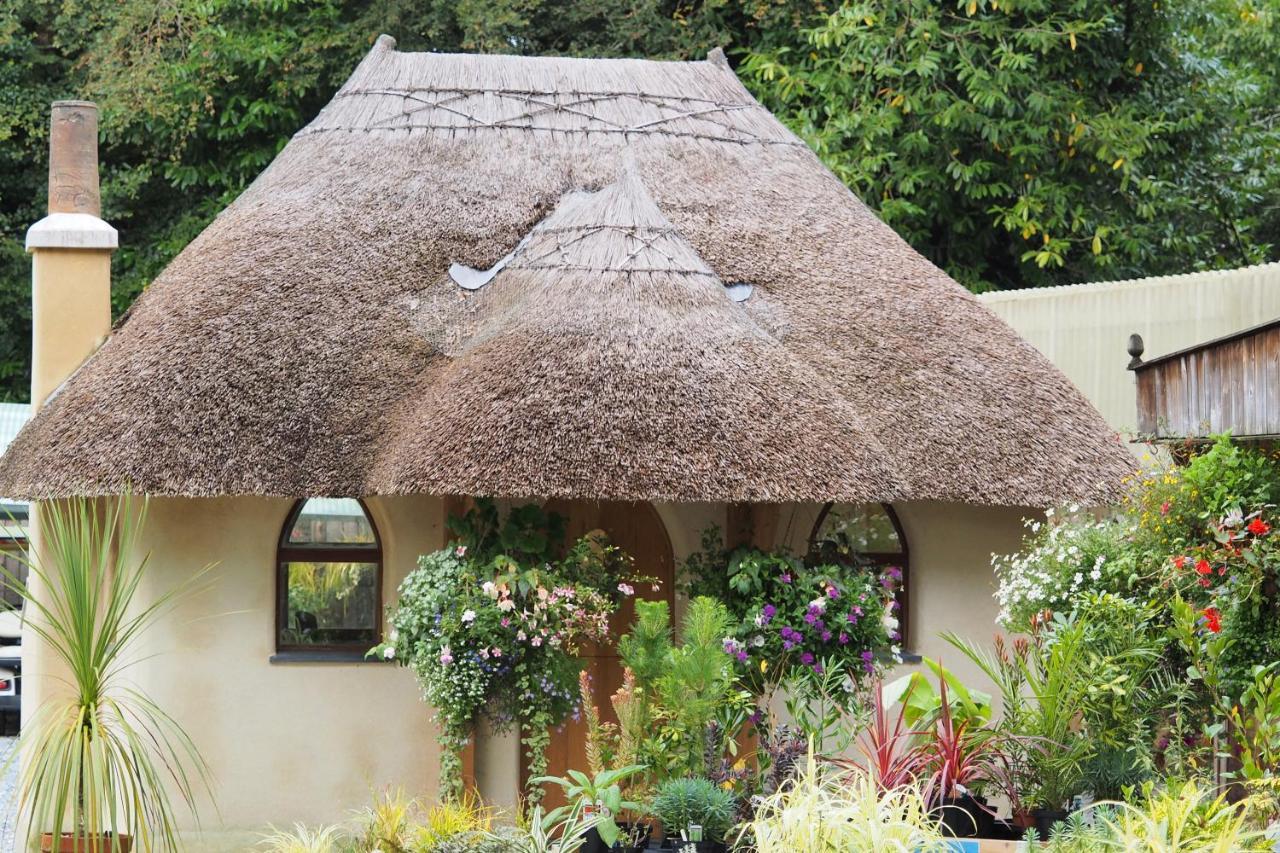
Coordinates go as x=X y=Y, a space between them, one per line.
x=312 y=340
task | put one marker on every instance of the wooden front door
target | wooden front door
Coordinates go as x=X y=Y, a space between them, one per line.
x=637 y=529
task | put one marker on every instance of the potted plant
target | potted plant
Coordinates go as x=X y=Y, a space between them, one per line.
x=600 y=796
x=962 y=757
x=694 y=807
x=102 y=758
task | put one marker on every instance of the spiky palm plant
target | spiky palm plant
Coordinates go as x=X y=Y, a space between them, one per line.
x=100 y=755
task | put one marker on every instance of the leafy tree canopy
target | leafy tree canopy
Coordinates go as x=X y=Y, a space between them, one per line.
x=1015 y=142
x=1030 y=142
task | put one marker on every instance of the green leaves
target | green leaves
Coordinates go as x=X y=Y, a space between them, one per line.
x=1075 y=121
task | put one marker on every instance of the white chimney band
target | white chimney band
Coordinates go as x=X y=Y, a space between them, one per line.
x=71 y=231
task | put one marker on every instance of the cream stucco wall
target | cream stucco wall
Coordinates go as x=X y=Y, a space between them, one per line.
x=286 y=742
x=308 y=742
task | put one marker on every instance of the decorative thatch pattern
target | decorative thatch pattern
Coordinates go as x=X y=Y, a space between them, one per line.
x=312 y=341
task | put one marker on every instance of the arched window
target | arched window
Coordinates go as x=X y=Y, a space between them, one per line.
x=867 y=535
x=329 y=578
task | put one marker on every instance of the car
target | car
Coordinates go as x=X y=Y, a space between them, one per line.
x=10 y=669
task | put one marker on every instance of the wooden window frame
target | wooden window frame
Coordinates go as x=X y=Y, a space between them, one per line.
x=883 y=560
x=293 y=552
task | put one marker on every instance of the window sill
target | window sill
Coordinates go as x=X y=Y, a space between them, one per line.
x=334 y=656
x=911 y=657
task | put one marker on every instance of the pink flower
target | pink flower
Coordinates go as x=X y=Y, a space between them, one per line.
x=535 y=642
x=626 y=589
x=497 y=652
x=446 y=656
x=460 y=551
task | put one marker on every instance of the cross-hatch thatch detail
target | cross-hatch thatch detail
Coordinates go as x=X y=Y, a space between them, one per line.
x=313 y=341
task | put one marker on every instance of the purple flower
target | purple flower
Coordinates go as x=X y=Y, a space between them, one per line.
x=868 y=656
x=786 y=577
x=844 y=638
x=811 y=617
x=742 y=656
x=826 y=636
x=806 y=658
x=769 y=611
x=817 y=669
x=832 y=592
x=787 y=645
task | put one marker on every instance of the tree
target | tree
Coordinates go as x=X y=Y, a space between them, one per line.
x=1028 y=142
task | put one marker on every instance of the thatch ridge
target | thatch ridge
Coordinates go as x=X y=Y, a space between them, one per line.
x=312 y=342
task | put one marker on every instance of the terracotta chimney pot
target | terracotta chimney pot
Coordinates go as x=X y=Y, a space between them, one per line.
x=73 y=158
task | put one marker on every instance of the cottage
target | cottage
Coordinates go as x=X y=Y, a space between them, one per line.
x=618 y=286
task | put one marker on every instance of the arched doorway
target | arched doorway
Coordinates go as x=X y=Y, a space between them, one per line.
x=636 y=528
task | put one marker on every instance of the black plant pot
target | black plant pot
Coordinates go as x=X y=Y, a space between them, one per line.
x=593 y=843
x=1045 y=819
x=965 y=817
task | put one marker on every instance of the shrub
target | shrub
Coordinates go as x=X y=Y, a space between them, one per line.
x=301 y=839
x=824 y=810
x=681 y=803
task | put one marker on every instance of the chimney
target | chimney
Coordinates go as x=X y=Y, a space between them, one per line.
x=71 y=254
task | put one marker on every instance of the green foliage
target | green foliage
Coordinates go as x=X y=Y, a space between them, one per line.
x=1027 y=142
x=303 y=839
x=825 y=809
x=673 y=693
x=680 y=803
x=603 y=790
x=802 y=622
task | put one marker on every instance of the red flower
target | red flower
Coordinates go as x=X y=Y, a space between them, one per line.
x=1258 y=527
x=1203 y=567
x=1212 y=619
x=1179 y=561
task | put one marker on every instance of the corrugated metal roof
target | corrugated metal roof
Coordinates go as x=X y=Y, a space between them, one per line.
x=1269 y=271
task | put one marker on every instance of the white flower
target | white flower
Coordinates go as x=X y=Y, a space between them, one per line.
x=626 y=589
x=468 y=616
x=506 y=605
x=1078 y=579
x=490 y=589
x=819 y=603
x=389 y=653
x=757 y=640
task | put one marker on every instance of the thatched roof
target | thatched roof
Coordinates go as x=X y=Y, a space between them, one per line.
x=313 y=341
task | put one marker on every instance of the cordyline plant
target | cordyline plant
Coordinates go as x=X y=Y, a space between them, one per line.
x=101 y=756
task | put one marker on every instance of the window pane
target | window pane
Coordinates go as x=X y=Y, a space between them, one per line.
x=332 y=521
x=330 y=604
x=860 y=529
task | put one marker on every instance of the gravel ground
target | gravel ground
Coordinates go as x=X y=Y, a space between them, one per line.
x=8 y=796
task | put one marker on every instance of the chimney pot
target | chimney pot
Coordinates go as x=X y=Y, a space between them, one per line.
x=73 y=158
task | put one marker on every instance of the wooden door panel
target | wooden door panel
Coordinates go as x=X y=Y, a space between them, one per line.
x=637 y=529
